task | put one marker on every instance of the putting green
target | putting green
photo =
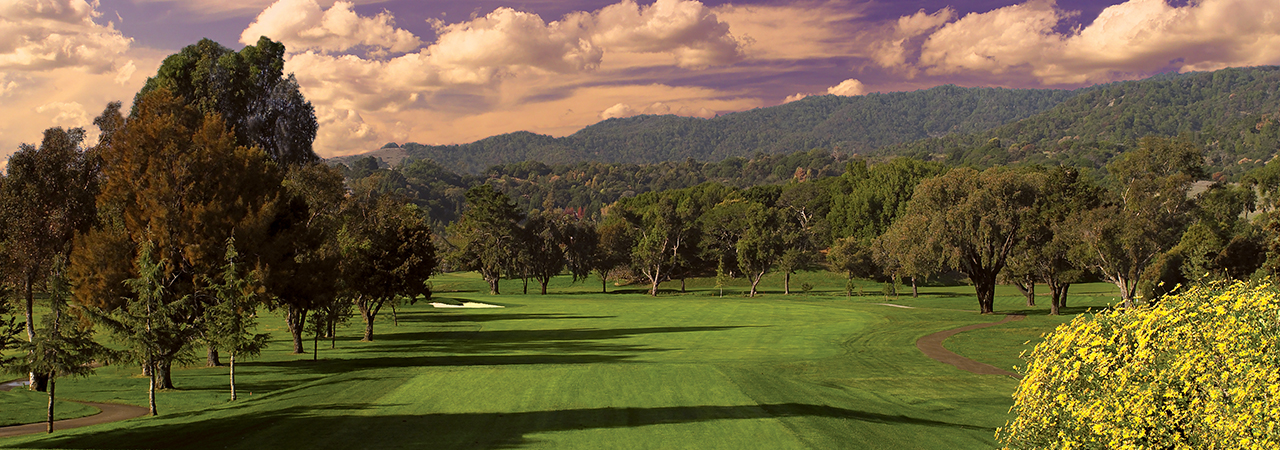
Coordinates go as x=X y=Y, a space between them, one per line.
x=585 y=370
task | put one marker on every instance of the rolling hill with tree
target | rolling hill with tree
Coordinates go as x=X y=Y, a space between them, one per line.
x=1232 y=112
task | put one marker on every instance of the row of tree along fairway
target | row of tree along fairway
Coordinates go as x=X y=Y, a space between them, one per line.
x=191 y=258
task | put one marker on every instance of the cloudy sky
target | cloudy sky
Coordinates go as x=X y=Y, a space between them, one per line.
x=454 y=71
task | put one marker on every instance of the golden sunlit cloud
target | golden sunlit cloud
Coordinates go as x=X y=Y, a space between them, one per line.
x=59 y=67
x=492 y=66
x=303 y=25
x=1125 y=41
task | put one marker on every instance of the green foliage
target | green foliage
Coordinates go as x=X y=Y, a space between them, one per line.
x=154 y=324
x=762 y=242
x=850 y=256
x=63 y=346
x=46 y=197
x=1231 y=112
x=232 y=317
x=867 y=200
x=1195 y=370
x=853 y=124
x=973 y=220
x=1145 y=216
x=484 y=239
x=249 y=90
x=666 y=232
x=387 y=253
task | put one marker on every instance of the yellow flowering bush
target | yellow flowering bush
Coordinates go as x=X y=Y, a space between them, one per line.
x=1198 y=370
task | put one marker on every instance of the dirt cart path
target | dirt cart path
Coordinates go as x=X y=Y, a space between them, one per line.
x=931 y=346
x=109 y=412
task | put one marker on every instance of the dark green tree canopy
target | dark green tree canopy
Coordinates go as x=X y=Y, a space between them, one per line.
x=249 y=90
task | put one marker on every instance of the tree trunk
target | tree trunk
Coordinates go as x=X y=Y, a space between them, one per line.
x=51 y=398
x=1028 y=291
x=30 y=304
x=755 y=281
x=1062 y=302
x=296 y=319
x=315 y=347
x=604 y=285
x=38 y=381
x=915 y=291
x=544 y=285
x=395 y=317
x=493 y=285
x=1055 y=297
x=164 y=373
x=369 y=312
x=151 y=388
x=213 y=360
x=682 y=284
x=1127 y=289
x=653 y=288
x=232 y=361
x=526 y=286
x=333 y=333
x=786 y=283
x=985 y=285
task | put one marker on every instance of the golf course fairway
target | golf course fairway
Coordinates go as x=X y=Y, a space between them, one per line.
x=589 y=370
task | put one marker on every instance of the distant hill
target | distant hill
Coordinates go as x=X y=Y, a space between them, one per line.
x=846 y=124
x=1233 y=113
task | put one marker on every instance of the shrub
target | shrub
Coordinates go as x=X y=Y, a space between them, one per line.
x=1200 y=369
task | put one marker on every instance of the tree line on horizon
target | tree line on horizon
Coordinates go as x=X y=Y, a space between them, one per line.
x=1138 y=227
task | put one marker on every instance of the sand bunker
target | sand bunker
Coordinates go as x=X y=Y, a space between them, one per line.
x=465 y=305
x=896 y=306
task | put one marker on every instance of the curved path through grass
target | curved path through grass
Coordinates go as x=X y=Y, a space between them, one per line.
x=931 y=346
x=107 y=413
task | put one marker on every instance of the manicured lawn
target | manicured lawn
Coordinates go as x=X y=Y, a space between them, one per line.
x=580 y=369
x=22 y=406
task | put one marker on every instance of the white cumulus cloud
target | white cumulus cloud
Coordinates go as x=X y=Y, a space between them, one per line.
x=656 y=108
x=50 y=34
x=506 y=57
x=848 y=87
x=303 y=25
x=1126 y=40
x=506 y=39
x=795 y=97
x=66 y=113
x=688 y=30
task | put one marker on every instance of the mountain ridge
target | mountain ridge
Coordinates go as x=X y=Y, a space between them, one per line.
x=1233 y=113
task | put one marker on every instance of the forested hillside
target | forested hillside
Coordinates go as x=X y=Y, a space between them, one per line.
x=1231 y=112
x=844 y=124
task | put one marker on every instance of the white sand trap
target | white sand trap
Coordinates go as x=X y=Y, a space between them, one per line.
x=896 y=306
x=465 y=305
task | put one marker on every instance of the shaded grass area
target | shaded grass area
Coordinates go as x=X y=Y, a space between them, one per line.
x=21 y=406
x=580 y=369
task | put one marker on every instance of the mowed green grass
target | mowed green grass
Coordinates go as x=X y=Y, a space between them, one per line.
x=580 y=369
x=21 y=406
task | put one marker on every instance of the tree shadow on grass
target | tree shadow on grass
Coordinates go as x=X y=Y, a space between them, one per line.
x=1044 y=311
x=486 y=348
x=358 y=425
x=446 y=317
